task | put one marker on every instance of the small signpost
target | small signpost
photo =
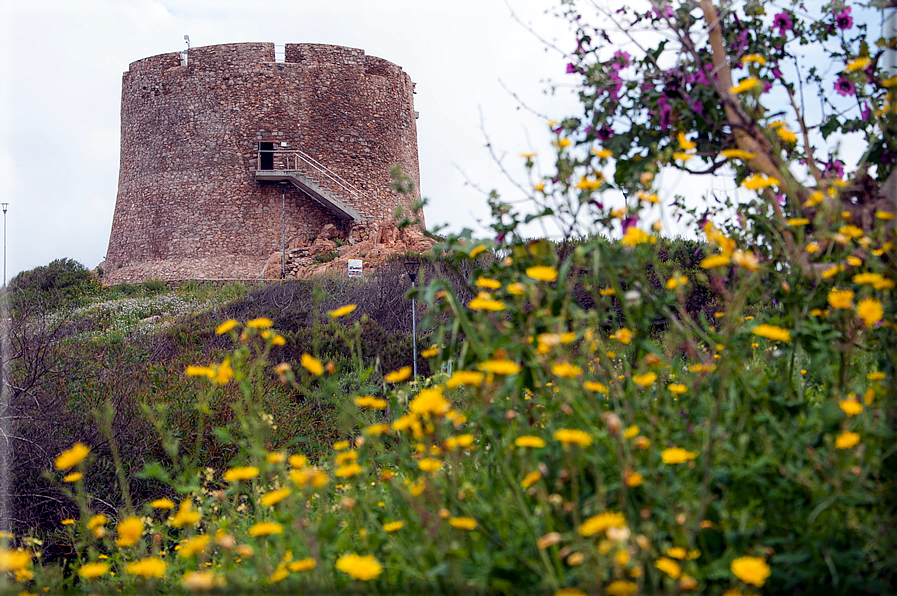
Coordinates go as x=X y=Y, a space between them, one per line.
x=354 y=267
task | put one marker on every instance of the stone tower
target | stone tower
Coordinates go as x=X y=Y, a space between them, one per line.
x=227 y=152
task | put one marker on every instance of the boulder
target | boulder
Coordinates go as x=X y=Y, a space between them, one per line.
x=321 y=245
x=330 y=232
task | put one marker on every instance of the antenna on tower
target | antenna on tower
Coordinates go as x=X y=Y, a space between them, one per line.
x=185 y=52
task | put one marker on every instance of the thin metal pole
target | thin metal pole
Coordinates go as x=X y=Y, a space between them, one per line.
x=414 y=331
x=5 y=206
x=283 y=240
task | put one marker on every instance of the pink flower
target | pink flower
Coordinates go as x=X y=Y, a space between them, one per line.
x=782 y=22
x=843 y=20
x=844 y=86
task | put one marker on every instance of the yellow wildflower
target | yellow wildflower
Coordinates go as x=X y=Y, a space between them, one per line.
x=602 y=153
x=162 y=504
x=484 y=301
x=744 y=85
x=393 y=526
x=598 y=524
x=645 y=380
x=529 y=441
x=842 y=299
x=72 y=457
x=429 y=464
x=226 y=326
x=260 y=323
x=358 y=567
x=858 y=64
x=500 y=367
x=750 y=570
x=530 y=479
x=832 y=271
x=348 y=470
x=302 y=565
x=398 y=376
x=786 y=135
x=772 y=332
x=73 y=477
x=241 y=473
x=623 y=335
x=274 y=497
x=429 y=401
x=631 y=431
x=573 y=437
x=194 y=546
x=565 y=370
x=677 y=455
x=462 y=523
x=635 y=236
x=147 y=568
x=342 y=311
x=542 y=273
x=477 y=250
x=595 y=386
x=851 y=407
x=621 y=588
x=129 y=531
x=847 y=439
x=517 y=289
x=755 y=58
x=684 y=143
x=738 y=154
x=668 y=566
x=369 y=401
x=312 y=364
x=633 y=480
x=265 y=529
x=677 y=388
x=471 y=378
x=715 y=261
x=93 y=570
x=199 y=581
x=871 y=311
x=757 y=182
x=430 y=352
x=185 y=516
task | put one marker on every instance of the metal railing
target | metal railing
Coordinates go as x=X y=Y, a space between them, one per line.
x=289 y=161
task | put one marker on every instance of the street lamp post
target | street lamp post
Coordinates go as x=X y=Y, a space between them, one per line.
x=5 y=207
x=411 y=268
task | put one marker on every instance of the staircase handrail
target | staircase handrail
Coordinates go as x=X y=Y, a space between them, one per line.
x=299 y=155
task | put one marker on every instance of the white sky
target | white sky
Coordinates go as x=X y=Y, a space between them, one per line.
x=61 y=63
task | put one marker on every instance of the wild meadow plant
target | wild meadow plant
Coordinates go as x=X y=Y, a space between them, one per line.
x=632 y=446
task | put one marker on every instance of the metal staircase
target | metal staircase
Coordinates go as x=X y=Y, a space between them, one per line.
x=311 y=177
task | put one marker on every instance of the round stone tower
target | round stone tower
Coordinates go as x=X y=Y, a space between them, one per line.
x=228 y=153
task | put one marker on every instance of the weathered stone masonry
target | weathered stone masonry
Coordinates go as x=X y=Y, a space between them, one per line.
x=189 y=206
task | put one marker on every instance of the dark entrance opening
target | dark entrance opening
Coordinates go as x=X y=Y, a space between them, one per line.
x=266 y=156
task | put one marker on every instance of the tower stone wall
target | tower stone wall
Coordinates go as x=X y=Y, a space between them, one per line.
x=188 y=204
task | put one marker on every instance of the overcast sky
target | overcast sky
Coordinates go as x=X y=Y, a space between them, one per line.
x=61 y=63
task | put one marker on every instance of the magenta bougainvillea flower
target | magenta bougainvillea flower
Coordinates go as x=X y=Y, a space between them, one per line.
x=782 y=22
x=843 y=20
x=844 y=86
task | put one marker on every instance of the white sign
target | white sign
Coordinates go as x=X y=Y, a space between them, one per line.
x=354 y=267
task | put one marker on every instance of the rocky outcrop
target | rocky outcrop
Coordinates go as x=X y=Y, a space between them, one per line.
x=332 y=249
